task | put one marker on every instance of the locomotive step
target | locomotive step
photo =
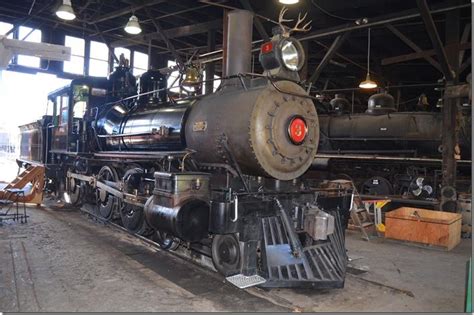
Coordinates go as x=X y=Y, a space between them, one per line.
x=242 y=281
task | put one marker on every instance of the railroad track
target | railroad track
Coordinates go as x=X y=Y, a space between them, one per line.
x=198 y=259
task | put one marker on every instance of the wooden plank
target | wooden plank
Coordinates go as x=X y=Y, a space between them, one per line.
x=432 y=227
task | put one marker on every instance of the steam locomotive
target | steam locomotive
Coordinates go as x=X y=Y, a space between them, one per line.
x=387 y=152
x=222 y=174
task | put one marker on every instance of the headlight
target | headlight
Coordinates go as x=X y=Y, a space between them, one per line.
x=292 y=54
x=287 y=54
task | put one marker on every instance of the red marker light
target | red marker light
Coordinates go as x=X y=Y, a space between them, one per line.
x=297 y=130
x=266 y=48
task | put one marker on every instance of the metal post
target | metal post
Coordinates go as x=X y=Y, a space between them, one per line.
x=399 y=94
x=211 y=66
x=353 y=95
x=224 y=42
x=449 y=135
x=304 y=70
x=87 y=54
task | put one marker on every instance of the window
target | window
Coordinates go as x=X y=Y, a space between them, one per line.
x=140 y=63
x=120 y=50
x=173 y=79
x=76 y=64
x=99 y=60
x=29 y=35
x=4 y=28
x=64 y=116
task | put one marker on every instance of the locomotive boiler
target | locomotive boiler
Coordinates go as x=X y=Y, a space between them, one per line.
x=220 y=174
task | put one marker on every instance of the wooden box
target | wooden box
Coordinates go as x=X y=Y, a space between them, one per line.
x=424 y=226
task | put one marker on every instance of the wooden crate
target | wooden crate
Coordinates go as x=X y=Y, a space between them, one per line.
x=424 y=226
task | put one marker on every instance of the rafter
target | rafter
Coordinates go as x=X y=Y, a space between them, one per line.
x=413 y=46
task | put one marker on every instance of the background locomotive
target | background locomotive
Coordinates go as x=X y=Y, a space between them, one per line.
x=386 y=152
x=221 y=173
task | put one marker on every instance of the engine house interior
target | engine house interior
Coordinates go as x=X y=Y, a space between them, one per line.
x=242 y=140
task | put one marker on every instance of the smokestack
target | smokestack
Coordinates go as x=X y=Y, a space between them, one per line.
x=239 y=42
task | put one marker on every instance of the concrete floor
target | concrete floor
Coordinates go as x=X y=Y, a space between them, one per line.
x=63 y=261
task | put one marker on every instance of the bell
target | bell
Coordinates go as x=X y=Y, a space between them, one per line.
x=192 y=77
x=423 y=101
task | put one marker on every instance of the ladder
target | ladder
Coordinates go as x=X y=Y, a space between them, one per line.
x=360 y=216
x=33 y=174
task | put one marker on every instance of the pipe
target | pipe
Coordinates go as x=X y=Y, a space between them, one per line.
x=239 y=42
x=399 y=199
x=385 y=158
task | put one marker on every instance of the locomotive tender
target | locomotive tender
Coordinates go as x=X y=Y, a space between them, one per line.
x=222 y=174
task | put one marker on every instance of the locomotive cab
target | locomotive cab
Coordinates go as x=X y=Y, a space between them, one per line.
x=73 y=109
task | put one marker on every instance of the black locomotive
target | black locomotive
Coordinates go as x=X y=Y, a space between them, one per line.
x=222 y=174
x=387 y=152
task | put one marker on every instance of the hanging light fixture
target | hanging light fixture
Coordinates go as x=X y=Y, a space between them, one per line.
x=368 y=83
x=133 y=27
x=65 y=11
x=289 y=1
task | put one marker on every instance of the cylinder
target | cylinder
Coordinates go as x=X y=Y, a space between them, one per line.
x=188 y=221
x=239 y=42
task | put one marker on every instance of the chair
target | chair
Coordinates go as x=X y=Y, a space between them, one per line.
x=14 y=195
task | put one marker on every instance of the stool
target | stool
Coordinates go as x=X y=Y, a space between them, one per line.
x=15 y=195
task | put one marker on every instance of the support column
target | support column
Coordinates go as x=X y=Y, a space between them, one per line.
x=450 y=108
x=87 y=55
x=449 y=138
x=211 y=66
x=52 y=37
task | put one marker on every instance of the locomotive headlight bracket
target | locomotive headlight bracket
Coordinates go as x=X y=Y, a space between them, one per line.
x=282 y=54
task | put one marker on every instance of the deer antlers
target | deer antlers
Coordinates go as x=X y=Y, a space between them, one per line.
x=286 y=31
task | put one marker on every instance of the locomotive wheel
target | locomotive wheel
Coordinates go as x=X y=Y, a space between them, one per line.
x=75 y=191
x=166 y=240
x=106 y=202
x=377 y=186
x=226 y=254
x=133 y=217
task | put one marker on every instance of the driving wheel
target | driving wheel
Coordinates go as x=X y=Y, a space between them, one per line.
x=106 y=202
x=226 y=254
